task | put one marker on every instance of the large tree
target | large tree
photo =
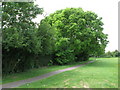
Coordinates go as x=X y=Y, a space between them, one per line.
x=19 y=35
x=80 y=34
x=17 y=24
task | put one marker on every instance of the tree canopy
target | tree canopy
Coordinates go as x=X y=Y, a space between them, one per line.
x=80 y=34
x=19 y=35
x=17 y=25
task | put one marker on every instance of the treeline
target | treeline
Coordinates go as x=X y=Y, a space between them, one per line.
x=66 y=36
x=110 y=54
x=24 y=45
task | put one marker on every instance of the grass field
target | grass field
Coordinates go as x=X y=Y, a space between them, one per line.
x=35 y=72
x=103 y=73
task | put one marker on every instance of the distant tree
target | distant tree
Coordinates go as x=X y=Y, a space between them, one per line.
x=116 y=53
x=110 y=54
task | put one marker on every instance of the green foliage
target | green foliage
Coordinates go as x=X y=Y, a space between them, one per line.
x=47 y=35
x=109 y=54
x=64 y=54
x=79 y=33
x=116 y=53
x=18 y=28
x=67 y=36
x=20 y=41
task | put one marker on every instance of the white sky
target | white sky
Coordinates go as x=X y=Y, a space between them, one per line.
x=107 y=9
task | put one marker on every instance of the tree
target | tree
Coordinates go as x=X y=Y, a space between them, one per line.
x=47 y=38
x=19 y=35
x=80 y=34
x=116 y=53
x=110 y=54
x=17 y=23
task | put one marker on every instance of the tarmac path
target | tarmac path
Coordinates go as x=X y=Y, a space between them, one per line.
x=22 y=82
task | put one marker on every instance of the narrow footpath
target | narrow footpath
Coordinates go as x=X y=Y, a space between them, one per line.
x=22 y=82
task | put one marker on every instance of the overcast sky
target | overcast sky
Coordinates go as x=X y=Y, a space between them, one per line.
x=107 y=9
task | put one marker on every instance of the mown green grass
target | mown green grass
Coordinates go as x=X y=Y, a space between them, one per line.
x=103 y=73
x=35 y=72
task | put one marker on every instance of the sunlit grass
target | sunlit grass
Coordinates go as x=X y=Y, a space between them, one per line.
x=102 y=73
